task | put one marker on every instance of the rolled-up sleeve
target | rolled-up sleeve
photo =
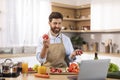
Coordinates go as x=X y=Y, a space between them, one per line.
x=38 y=51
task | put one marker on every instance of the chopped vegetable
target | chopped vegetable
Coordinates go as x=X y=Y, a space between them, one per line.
x=73 y=67
x=113 y=67
x=42 y=75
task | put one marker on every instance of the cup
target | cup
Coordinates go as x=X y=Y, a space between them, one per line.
x=24 y=67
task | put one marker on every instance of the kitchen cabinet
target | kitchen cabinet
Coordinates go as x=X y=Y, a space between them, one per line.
x=78 y=18
x=75 y=17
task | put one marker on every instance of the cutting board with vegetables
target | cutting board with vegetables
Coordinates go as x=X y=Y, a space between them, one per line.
x=73 y=69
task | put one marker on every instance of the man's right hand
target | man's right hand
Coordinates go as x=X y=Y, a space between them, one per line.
x=46 y=41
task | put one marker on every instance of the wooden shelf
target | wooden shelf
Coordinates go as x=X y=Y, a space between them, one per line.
x=74 y=31
x=73 y=19
x=70 y=6
x=92 y=31
x=75 y=16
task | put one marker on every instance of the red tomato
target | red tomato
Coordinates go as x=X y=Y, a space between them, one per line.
x=45 y=36
x=53 y=70
x=70 y=69
x=59 y=70
x=30 y=69
x=73 y=67
x=81 y=51
x=76 y=70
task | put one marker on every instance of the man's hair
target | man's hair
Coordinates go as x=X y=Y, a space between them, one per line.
x=55 y=15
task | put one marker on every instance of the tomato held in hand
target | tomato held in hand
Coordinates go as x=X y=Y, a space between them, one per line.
x=79 y=52
x=45 y=36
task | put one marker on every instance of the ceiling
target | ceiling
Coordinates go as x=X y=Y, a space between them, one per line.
x=73 y=2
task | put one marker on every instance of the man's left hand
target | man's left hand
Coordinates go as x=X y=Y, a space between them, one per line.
x=76 y=52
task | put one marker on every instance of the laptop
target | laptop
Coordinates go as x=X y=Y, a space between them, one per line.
x=92 y=70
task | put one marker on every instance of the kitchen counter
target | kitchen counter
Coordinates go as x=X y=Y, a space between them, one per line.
x=10 y=55
x=52 y=77
x=86 y=55
x=105 y=54
x=16 y=55
x=31 y=76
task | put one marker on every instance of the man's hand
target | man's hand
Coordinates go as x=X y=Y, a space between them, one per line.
x=46 y=43
x=46 y=40
x=76 y=52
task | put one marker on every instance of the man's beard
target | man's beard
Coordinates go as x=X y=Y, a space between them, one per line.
x=56 y=30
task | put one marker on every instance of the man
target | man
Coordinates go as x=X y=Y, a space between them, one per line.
x=56 y=49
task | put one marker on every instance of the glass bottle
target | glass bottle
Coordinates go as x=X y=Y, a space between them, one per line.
x=96 y=56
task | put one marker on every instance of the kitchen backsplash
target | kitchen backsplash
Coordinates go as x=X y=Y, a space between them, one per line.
x=102 y=40
x=22 y=49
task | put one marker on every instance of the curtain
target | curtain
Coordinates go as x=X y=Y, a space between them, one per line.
x=25 y=21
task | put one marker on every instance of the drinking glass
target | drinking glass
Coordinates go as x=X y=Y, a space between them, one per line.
x=24 y=67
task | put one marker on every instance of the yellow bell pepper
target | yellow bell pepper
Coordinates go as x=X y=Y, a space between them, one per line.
x=42 y=69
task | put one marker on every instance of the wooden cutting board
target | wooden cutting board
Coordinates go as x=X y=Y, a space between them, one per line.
x=32 y=72
x=64 y=73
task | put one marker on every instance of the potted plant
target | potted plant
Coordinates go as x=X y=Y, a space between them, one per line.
x=77 y=42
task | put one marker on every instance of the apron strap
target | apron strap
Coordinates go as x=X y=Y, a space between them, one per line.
x=61 y=39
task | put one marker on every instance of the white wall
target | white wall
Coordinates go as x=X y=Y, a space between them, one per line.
x=102 y=37
x=105 y=14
